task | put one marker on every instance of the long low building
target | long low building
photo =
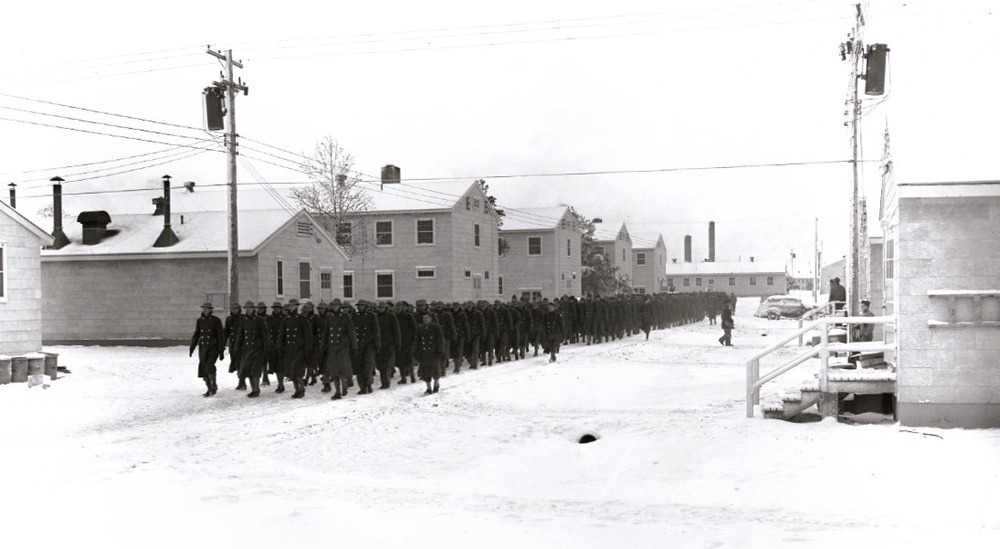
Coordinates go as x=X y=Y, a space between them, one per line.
x=743 y=278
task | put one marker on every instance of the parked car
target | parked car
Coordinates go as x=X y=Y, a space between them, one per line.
x=781 y=306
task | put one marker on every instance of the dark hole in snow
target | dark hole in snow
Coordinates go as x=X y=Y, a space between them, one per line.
x=587 y=439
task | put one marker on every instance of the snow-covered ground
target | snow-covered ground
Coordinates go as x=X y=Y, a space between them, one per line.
x=125 y=452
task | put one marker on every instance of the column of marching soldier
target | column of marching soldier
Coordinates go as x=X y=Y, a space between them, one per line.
x=343 y=345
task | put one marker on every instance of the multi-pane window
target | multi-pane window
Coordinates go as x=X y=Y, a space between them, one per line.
x=753 y=280
x=687 y=281
x=640 y=259
x=670 y=282
x=475 y=234
x=305 y=280
x=500 y=285
x=383 y=233
x=425 y=231
x=344 y=233
x=732 y=281
x=325 y=280
x=426 y=272
x=349 y=285
x=890 y=271
x=534 y=245
x=623 y=254
x=468 y=273
x=569 y=248
x=279 y=277
x=697 y=281
x=384 y=287
x=770 y=281
x=711 y=282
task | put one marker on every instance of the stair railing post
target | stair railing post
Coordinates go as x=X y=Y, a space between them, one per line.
x=824 y=355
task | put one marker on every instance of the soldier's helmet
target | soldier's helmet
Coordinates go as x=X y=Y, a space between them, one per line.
x=234 y=306
x=262 y=305
x=276 y=305
x=308 y=306
x=207 y=305
x=335 y=303
x=249 y=305
x=421 y=302
x=293 y=302
x=322 y=305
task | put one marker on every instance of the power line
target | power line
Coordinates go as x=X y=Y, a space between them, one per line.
x=98 y=133
x=85 y=164
x=100 y=112
x=85 y=121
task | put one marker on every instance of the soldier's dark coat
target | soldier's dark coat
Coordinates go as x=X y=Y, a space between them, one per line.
x=296 y=342
x=429 y=351
x=339 y=341
x=209 y=336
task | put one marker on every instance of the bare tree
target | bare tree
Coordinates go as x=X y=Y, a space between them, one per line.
x=336 y=198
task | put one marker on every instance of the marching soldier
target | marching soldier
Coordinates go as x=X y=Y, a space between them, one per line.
x=296 y=343
x=274 y=362
x=309 y=314
x=231 y=328
x=209 y=336
x=461 y=335
x=552 y=327
x=253 y=344
x=369 y=340
x=476 y=328
x=502 y=346
x=339 y=341
x=407 y=332
x=388 y=326
x=430 y=352
x=490 y=331
x=447 y=322
x=262 y=313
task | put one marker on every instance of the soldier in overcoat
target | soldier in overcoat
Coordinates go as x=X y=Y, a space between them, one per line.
x=339 y=341
x=262 y=313
x=210 y=337
x=369 y=341
x=274 y=363
x=231 y=328
x=447 y=322
x=296 y=343
x=388 y=326
x=552 y=329
x=476 y=328
x=491 y=330
x=461 y=335
x=407 y=333
x=253 y=344
x=430 y=351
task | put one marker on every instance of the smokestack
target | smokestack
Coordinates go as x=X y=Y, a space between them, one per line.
x=59 y=238
x=390 y=175
x=711 y=241
x=687 y=249
x=13 y=196
x=167 y=236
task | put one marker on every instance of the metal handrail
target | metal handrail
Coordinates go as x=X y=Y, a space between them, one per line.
x=823 y=310
x=754 y=379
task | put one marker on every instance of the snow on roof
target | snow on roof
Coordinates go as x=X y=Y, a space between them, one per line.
x=403 y=197
x=201 y=232
x=643 y=241
x=19 y=218
x=533 y=219
x=607 y=230
x=726 y=267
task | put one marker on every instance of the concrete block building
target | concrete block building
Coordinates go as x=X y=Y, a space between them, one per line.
x=543 y=257
x=21 y=242
x=743 y=278
x=649 y=264
x=941 y=277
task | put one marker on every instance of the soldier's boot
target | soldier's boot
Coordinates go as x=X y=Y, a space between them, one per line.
x=326 y=387
x=402 y=377
x=437 y=386
x=300 y=388
x=208 y=385
x=281 y=385
x=336 y=384
x=242 y=385
x=413 y=378
x=428 y=391
x=552 y=357
x=265 y=382
x=255 y=387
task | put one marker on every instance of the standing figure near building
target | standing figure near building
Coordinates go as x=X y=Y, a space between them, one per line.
x=490 y=332
x=838 y=294
x=407 y=333
x=231 y=328
x=447 y=322
x=864 y=332
x=385 y=358
x=339 y=341
x=552 y=331
x=727 y=327
x=369 y=341
x=262 y=313
x=430 y=352
x=253 y=344
x=461 y=335
x=210 y=337
x=296 y=343
x=477 y=324
x=275 y=364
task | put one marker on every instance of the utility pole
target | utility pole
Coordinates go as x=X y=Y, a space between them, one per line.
x=230 y=85
x=853 y=50
x=816 y=262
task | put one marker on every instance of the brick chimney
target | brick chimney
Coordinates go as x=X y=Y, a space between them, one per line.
x=13 y=196
x=711 y=241
x=687 y=249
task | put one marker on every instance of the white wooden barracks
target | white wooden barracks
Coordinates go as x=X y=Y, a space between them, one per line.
x=20 y=283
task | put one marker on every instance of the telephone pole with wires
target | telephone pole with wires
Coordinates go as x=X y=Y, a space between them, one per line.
x=229 y=86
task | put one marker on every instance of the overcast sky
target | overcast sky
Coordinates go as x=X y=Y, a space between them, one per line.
x=633 y=89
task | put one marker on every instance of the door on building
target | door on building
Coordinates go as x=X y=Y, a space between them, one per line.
x=477 y=286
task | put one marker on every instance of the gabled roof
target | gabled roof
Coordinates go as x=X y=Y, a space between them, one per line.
x=609 y=230
x=725 y=267
x=200 y=233
x=421 y=197
x=533 y=219
x=647 y=241
x=45 y=237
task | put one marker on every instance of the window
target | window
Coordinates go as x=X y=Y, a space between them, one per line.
x=279 y=277
x=640 y=290
x=640 y=259
x=697 y=281
x=670 y=282
x=305 y=280
x=623 y=254
x=600 y=250
x=770 y=281
x=889 y=260
x=487 y=275
x=564 y=223
x=475 y=234
x=303 y=228
x=753 y=280
x=468 y=273
x=732 y=281
x=687 y=281
x=534 y=245
x=468 y=203
x=475 y=203
x=425 y=231
x=383 y=233
x=426 y=272
x=325 y=280
x=3 y=271
x=348 y=285
x=711 y=282
x=500 y=285
x=569 y=248
x=384 y=287
x=344 y=233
